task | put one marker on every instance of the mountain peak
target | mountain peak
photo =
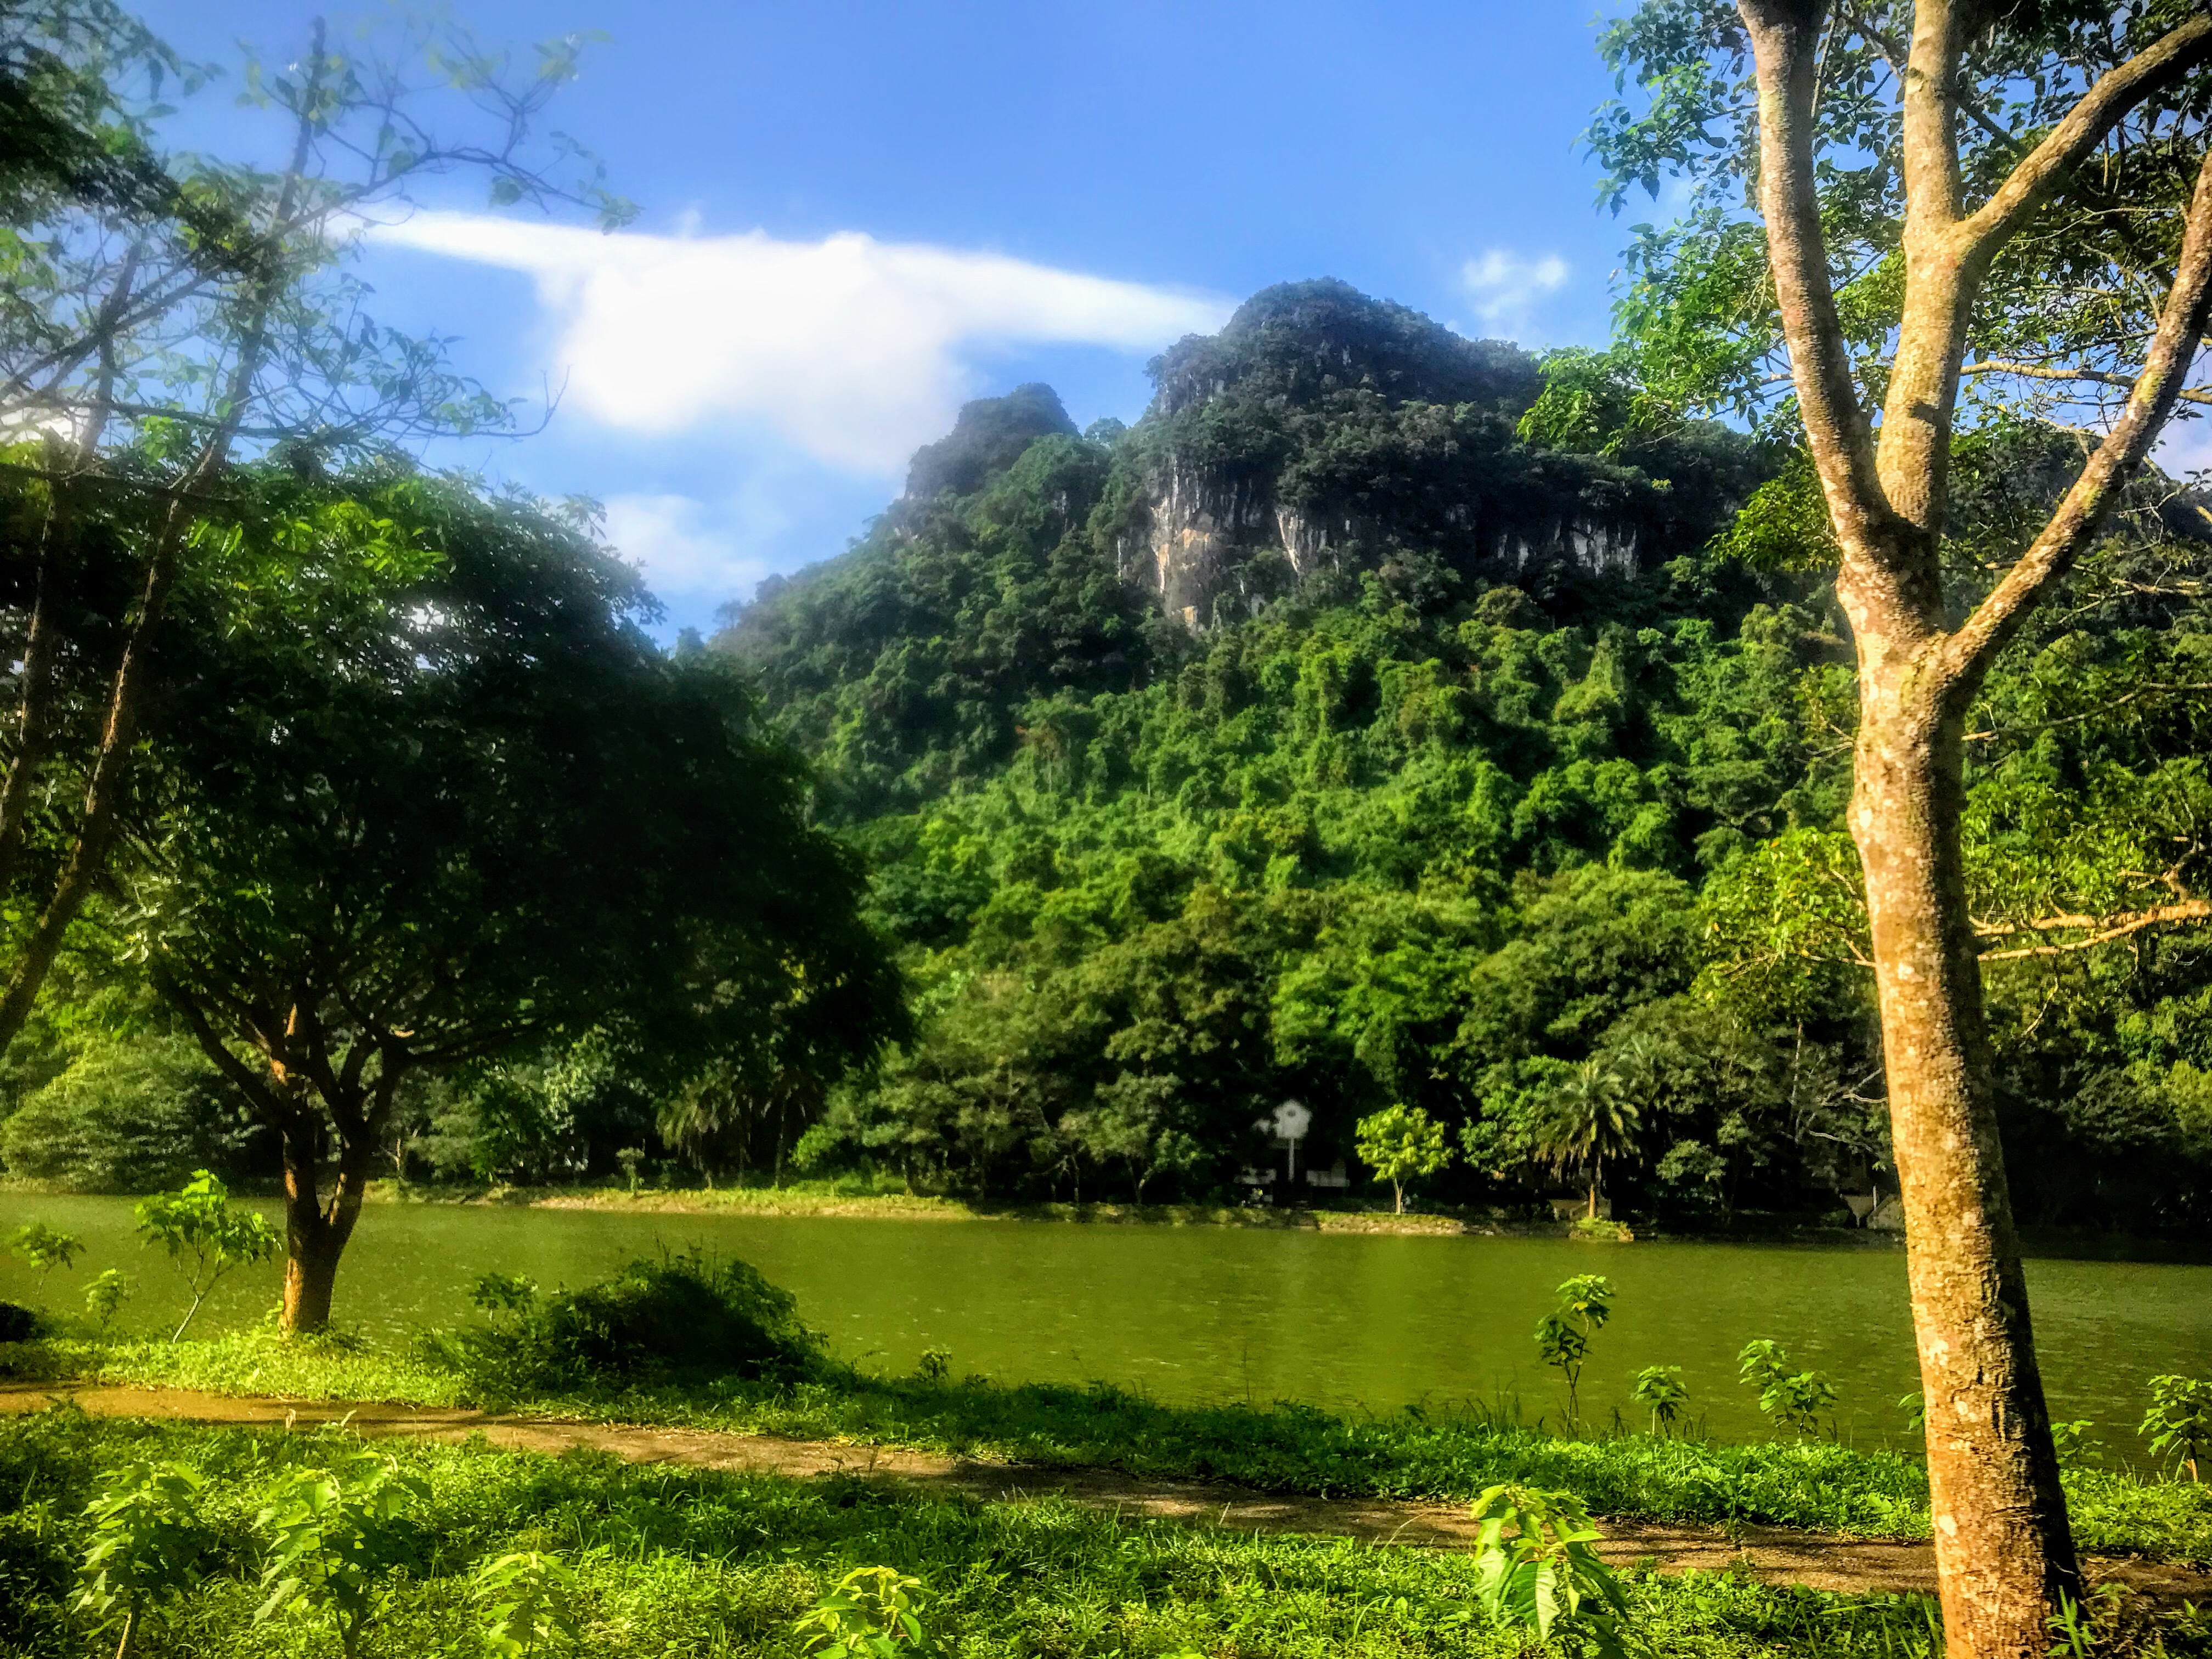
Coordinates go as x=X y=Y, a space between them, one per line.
x=989 y=437
x=1302 y=340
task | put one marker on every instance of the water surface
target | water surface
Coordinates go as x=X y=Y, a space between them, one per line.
x=1346 y=1321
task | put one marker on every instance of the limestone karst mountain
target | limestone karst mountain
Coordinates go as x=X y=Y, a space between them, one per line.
x=1320 y=434
x=1321 y=439
x=1323 y=430
x=989 y=437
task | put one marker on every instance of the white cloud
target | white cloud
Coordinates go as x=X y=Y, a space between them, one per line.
x=2185 y=446
x=1506 y=286
x=686 y=548
x=853 y=351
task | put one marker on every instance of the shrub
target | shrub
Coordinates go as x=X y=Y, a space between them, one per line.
x=529 y=1600
x=1660 y=1389
x=45 y=1249
x=1538 y=1572
x=206 y=1234
x=1563 y=1336
x=681 y=1315
x=333 y=1535
x=872 y=1613
x=145 y=1547
x=2179 y=1424
x=17 y=1322
x=1794 y=1399
x=104 y=1297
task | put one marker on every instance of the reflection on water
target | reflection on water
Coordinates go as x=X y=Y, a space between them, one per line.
x=1348 y=1320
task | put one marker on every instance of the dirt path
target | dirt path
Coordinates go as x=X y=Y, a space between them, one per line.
x=1774 y=1554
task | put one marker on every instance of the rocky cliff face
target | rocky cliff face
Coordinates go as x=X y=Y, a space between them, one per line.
x=1323 y=430
x=1213 y=547
x=1320 y=433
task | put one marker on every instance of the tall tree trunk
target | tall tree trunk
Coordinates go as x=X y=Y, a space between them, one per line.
x=2004 y=1555
x=40 y=650
x=316 y=1230
x=129 y=689
x=2004 y=1552
x=66 y=462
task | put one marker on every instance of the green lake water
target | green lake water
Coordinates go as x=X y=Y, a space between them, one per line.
x=1346 y=1321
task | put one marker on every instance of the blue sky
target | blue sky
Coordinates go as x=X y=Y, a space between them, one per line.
x=855 y=215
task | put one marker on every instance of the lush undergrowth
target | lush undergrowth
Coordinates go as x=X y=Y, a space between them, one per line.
x=1445 y=1454
x=676 y=1564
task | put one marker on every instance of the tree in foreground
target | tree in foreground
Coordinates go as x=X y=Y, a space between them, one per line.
x=206 y=1236
x=164 y=312
x=1967 y=214
x=445 y=803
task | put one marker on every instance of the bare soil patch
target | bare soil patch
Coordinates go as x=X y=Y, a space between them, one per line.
x=1773 y=1554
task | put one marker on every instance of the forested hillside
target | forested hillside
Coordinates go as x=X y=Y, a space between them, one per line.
x=1329 y=735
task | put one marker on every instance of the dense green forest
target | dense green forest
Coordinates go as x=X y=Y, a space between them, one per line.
x=1457 y=814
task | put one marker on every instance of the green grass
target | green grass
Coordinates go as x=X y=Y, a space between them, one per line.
x=676 y=1564
x=1810 y=1484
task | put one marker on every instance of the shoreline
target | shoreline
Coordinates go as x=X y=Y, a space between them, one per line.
x=800 y=1201
x=820 y=1200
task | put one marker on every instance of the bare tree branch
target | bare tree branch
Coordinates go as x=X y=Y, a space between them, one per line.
x=1785 y=38
x=2102 y=107
x=2096 y=376
x=1965 y=656
x=2095 y=930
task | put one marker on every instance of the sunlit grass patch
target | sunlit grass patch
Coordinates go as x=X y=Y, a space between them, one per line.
x=691 y=1563
x=1813 y=1484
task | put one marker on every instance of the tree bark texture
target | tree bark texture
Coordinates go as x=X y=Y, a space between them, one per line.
x=2004 y=1555
x=2003 y=1551
x=316 y=1229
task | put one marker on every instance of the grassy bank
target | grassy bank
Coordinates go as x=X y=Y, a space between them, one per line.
x=686 y=1566
x=1445 y=1455
x=849 y=1198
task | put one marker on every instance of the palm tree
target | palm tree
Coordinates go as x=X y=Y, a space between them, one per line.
x=1587 y=1119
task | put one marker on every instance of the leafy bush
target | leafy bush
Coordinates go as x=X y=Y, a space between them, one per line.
x=206 y=1234
x=1660 y=1389
x=104 y=1297
x=872 y=1613
x=674 y=1316
x=145 y=1546
x=126 y=1116
x=45 y=1249
x=1563 y=1336
x=530 y=1598
x=2179 y=1424
x=1794 y=1399
x=334 y=1536
x=1538 y=1571
x=17 y=1322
